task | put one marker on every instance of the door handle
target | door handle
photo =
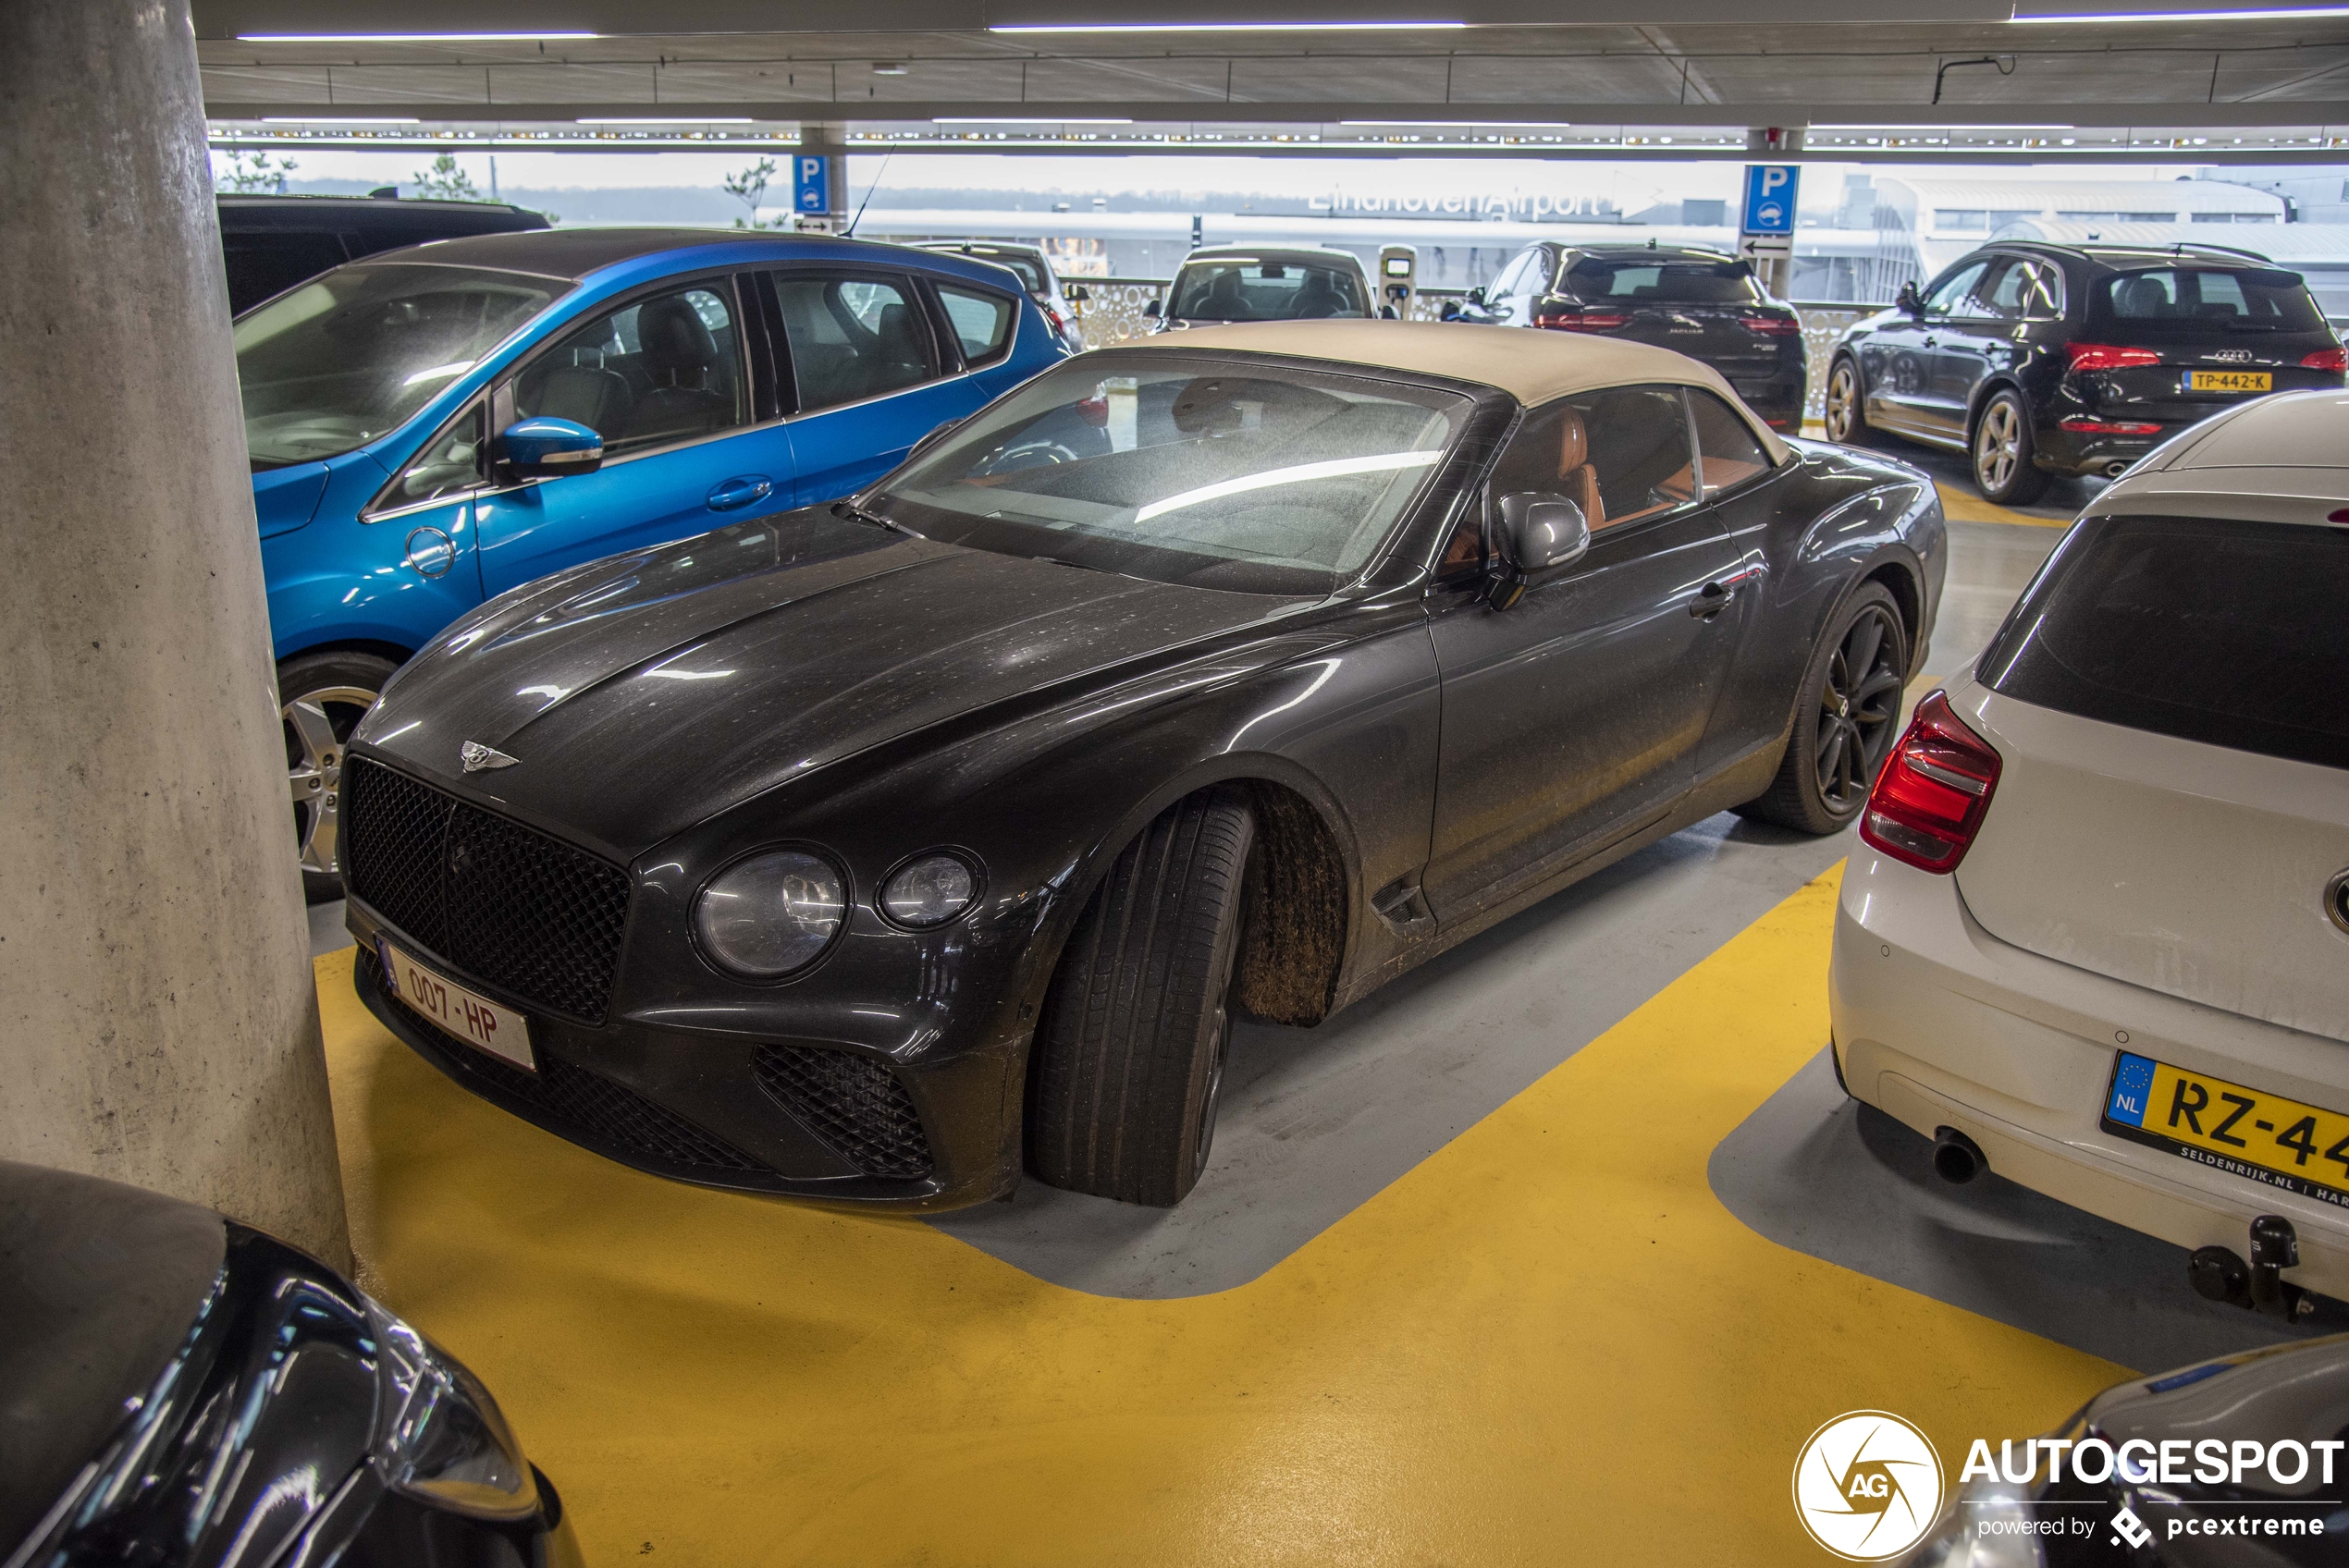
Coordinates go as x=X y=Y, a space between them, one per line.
x=1932 y=342
x=1711 y=600
x=740 y=490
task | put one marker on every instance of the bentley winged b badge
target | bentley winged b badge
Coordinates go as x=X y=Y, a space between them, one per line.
x=479 y=758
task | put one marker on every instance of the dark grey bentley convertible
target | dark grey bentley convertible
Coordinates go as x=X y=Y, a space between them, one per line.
x=873 y=852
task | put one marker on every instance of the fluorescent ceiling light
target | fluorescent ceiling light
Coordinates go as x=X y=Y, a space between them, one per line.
x=1502 y=125
x=1223 y=27
x=2265 y=14
x=1875 y=125
x=410 y=37
x=1338 y=468
x=705 y=119
x=327 y=119
x=1024 y=119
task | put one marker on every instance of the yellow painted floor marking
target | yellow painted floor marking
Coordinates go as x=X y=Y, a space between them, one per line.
x=1964 y=505
x=1547 y=1343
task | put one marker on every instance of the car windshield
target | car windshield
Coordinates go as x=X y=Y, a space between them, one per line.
x=1668 y=282
x=1257 y=478
x=341 y=361
x=1266 y=288
x=2229 y=299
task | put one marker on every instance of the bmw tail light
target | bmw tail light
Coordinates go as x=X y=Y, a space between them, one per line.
x=2334 y=358
x=1929 y=801
x=1771 y=326
x=2104 y=356
x=1573 y=318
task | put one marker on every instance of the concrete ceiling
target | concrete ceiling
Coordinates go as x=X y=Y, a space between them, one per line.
x=1823 y=63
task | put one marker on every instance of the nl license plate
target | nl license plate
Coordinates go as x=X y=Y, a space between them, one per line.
x=2302 y=1148
x=476 y=1020
x=2228 y=381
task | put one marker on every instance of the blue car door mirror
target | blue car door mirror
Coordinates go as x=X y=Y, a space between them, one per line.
x=543 y=448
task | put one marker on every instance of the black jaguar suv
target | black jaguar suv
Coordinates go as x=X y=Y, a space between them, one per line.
x=1699 y=303
x=2040 y=359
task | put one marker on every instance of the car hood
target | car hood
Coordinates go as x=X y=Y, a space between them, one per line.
x=643 y=693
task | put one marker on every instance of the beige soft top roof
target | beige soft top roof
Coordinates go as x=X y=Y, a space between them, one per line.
x=1535 y=366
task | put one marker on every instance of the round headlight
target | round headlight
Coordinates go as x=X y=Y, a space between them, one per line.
x=771 y=914
x=929 y=891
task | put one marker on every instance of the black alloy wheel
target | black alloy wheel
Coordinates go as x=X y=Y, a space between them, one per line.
x=321 y=699
x=1127 y=1069
x=2002 y=448
x=1846 y=719
x=1847 y=408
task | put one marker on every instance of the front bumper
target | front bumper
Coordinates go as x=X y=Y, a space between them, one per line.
x=816 y=1120
x=1941 y=1024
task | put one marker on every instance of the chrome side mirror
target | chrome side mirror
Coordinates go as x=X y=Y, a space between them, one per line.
x=1537 y=535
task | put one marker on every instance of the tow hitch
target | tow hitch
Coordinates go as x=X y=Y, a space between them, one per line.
x=2259 y=1286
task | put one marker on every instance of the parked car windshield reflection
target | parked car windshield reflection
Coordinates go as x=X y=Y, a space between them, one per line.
x=1259 y=479
x=351 y=356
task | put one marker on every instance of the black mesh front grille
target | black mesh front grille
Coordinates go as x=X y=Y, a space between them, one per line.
x=851 y=1102
x=583 y=1104
x=524 y=911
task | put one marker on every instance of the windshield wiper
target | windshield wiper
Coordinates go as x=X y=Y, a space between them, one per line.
x=855 y=513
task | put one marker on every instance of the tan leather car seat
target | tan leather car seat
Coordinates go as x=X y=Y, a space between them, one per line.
x=1576 y=476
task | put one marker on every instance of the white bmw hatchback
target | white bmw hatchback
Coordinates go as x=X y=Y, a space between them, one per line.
x=2098 y=934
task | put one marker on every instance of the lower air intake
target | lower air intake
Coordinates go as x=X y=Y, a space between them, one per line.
x=851 y=1102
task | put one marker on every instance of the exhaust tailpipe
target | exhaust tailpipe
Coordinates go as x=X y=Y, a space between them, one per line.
x=1957 y=1158
x=2115 y=469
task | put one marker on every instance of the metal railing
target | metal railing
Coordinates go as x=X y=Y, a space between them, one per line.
x=1112 y=314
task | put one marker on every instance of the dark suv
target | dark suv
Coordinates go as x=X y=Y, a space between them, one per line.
x=2038 y=360
x=273 y=243
x=1699 y=303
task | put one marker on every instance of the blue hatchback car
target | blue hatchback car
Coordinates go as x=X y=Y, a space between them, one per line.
x=430 y=427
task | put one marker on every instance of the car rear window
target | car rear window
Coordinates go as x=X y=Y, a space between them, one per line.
x=2219 y=631
x=1031 y=274
x=2223 y=297
x=1688 y=283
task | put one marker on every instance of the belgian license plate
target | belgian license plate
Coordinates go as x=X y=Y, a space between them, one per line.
x=478 y=1021
x=2302 y=1148
x=2228 y=381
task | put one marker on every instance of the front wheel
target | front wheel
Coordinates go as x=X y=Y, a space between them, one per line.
x=1138 y=1023
x=1845 y=719
x=321 y=698
x=1846 y=412
x=2003 y=448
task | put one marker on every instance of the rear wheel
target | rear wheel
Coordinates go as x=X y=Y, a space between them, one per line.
x=1845 y=720
x=1137 y=1024
x=321 y=698
x=2003 y=470
x=1847 y=413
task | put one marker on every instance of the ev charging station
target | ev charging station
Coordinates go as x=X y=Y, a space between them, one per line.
x=1398 y=273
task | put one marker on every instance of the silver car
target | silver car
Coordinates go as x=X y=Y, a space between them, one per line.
x=1058 y=300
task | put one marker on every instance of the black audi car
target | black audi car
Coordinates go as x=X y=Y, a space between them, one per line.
x=1696 y=302
x=2039 y=359
x=876 y=852
x=178 y=1390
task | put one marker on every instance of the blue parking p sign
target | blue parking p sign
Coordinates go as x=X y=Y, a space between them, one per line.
x=811 y=185
x=1769 y=198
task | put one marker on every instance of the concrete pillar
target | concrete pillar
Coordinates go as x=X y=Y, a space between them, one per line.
x=157 y=1019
